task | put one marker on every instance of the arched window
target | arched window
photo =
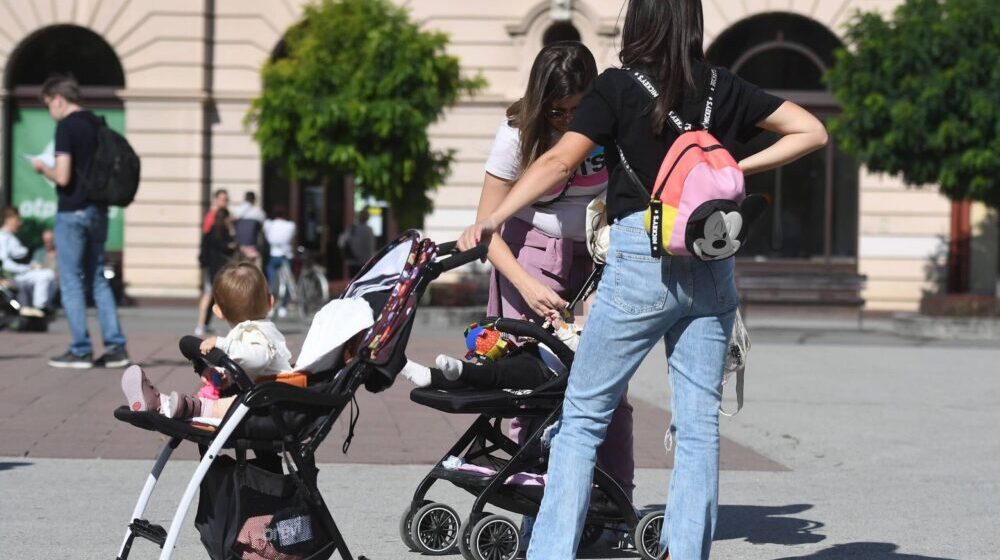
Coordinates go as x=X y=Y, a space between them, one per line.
x=814 y=202
x=560 y=32
x=67 y=49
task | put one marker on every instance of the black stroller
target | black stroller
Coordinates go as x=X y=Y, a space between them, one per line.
x=435 y=528
x=250 y=508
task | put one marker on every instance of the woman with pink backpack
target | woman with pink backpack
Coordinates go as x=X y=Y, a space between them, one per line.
x=679 y=212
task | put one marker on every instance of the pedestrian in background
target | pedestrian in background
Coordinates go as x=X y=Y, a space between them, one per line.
x=280 y=234
x=248 y=229
x=35 y=285
x=220 y=200
x=81 y=230
x=217 y=248
x=45 y=256
x=357 y=244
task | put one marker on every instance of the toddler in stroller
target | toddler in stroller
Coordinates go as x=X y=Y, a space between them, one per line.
x=496 y=361
x=264 y=507
x=242 y=299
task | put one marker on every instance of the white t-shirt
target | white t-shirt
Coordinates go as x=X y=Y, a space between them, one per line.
x=280 y=234
x=565 y=218
x=258 y=347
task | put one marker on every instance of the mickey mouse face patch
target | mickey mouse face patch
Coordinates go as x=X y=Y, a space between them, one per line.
x=718 y=228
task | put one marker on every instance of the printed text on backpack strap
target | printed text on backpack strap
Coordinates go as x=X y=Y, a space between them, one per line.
x=678 y=123
x=706 y=118
x=647 y=84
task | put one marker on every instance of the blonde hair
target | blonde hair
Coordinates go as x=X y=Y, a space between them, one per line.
x=240 y=291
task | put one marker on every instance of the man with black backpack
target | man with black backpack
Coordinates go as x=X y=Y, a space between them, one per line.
x=94 y=167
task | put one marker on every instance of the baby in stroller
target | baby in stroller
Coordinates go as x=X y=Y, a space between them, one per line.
x=496 y=360
x=242 y=299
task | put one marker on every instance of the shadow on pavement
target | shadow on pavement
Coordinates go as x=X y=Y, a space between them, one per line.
x=10 y=465
x=768 y=525
x=863 y=550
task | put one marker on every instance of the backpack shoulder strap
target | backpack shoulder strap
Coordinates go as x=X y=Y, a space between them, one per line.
x=646 y=84
x=706 y=118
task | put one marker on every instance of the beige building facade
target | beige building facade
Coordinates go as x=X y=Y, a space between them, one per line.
x=191 y=67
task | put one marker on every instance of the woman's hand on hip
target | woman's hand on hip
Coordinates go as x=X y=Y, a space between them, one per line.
x=480 y=233
x=542 y=299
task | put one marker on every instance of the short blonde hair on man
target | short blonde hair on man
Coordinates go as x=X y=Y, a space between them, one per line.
x=240 y=291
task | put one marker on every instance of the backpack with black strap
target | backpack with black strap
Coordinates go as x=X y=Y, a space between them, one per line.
x=698 y=205
x=113 y=178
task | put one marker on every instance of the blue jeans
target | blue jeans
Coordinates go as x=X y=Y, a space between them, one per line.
x=80 y=238
x=274 y=264
x=691 y=305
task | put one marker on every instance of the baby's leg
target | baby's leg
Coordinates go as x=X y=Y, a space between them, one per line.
x=139 y=392
x=516 y=371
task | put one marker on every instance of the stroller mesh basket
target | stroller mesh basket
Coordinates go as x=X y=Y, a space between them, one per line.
x=249 y=511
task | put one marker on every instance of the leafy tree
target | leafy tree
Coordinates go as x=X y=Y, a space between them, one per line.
x=921 y=95
x=355 y=93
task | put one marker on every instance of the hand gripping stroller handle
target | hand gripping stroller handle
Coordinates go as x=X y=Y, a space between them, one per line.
x=462 y=258
x=191 y=349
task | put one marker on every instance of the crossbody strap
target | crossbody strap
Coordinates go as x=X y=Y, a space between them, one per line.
x=633 y=178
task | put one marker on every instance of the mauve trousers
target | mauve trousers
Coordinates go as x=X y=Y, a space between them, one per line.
x=564 y=266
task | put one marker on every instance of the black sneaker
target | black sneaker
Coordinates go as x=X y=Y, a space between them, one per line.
x=115 y=357
x=71 y=360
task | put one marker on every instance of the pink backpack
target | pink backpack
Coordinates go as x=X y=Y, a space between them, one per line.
x=699 y=206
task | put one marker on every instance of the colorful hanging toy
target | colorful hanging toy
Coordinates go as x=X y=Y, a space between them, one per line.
x=485 y=342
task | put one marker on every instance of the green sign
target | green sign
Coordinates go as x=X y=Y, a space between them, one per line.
x=33 y=135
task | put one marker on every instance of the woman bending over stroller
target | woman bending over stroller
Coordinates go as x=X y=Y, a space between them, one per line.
x=243 y=300
x=495 y=362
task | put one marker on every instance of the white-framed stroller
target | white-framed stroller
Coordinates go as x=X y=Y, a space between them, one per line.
x=280 y=421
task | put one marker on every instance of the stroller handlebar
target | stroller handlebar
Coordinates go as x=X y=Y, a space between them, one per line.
x=460 y=258
x=191 y=349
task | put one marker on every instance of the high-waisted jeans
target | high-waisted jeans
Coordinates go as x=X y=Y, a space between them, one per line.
x=691 y=305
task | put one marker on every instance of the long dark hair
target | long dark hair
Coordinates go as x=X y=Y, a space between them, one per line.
x=220 y=229
x=664 y=38
x=560 y=70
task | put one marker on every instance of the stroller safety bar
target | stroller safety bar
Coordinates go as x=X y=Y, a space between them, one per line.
x=518 y=327
x=191 y=349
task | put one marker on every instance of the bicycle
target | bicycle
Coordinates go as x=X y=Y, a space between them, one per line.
x=305 y=294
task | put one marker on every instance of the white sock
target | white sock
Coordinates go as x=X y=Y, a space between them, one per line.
x=450 y=367
x=418 y=374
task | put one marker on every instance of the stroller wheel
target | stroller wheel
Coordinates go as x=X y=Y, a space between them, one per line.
x=592 y=532
x=494 y=537
x=464 y=533
x=434 y=529
x=404 y=526
x=647 y=535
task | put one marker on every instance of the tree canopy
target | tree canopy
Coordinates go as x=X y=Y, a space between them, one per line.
x=920 y=93
x=353 y=93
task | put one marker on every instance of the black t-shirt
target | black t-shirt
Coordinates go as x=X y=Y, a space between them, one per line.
x=76 y=136
x=617 y=111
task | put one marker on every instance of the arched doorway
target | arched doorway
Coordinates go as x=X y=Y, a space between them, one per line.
x=813 y=216
x=323 y=208
x=58 y=49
